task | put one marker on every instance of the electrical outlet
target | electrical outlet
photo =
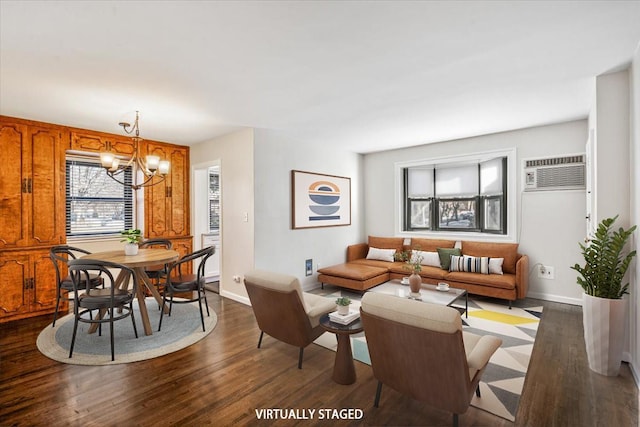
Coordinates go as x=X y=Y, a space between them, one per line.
x=546 y=272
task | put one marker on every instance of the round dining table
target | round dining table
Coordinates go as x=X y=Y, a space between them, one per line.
x=144 y=258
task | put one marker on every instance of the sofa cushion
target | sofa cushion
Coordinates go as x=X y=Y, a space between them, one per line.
x=504 y=281
x=387 y=242
x=445 y=256
x=353 y=271
x=433 y=272
x=380 y=264
x=381 y=254
x=431 y=245
x=508 y=251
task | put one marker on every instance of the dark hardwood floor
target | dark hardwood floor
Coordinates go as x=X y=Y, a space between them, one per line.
x=224 y=379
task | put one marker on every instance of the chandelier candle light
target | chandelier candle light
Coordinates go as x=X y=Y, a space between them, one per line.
x=152 y=166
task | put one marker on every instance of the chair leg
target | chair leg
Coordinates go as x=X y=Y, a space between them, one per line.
x=201 y=314
x=455 y=420
x=113 y=355
x=73 y=337
x=135 y=330
x=300 y=357
x=378 y=391
x=206 y=303
x=55 y=313
x=164 y=302
x=509 y=304
x=260 y=339
x=478 y=390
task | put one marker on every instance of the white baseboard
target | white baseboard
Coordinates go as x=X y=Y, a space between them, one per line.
x=555 y=298
x=239 y=298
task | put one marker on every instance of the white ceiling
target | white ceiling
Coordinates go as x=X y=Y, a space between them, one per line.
x=363 y=76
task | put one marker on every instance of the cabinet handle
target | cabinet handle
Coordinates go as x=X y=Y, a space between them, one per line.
x=30 y=185
x=31 y=282
x=24 y=185
x=169 y=192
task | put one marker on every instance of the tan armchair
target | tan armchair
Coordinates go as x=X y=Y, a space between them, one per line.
x=283 y=311
x=420 y=350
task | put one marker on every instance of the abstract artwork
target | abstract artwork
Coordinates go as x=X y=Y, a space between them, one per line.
x=319 y=200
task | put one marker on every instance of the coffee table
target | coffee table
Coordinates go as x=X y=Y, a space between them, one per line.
x=344 y=371
x=428 y=293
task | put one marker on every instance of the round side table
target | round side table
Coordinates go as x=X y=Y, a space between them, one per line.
x=344 y=371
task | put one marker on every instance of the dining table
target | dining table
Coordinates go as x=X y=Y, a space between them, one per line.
x=144 y=258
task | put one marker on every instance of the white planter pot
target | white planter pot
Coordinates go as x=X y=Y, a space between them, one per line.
x=343 y=309
x=603 y=321
x=131 y=249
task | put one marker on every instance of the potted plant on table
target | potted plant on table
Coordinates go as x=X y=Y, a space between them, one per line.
x=343 y=305
x=603 y=308
x=413 y=263
x=132 y=237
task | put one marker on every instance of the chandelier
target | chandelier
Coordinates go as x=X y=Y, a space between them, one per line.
x=151 y=167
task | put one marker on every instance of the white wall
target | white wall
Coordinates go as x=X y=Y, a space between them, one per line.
x=277 y=246
x=550 y=223
x=634 y=300
x=235 y=153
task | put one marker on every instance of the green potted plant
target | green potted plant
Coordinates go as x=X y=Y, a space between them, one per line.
x=343 y=305
x=132 y=237
x=413 y=263
x=603 y=308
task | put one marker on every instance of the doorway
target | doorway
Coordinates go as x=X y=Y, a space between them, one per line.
x=207 y=218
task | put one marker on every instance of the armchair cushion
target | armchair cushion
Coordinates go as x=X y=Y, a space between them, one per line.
x=414 y=313
x=317 y=306
x=277 y=281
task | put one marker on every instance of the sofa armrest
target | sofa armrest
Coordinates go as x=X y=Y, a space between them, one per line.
x=358 y=251
x=522 y=276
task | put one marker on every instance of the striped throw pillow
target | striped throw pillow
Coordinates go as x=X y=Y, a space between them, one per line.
x=470 y=264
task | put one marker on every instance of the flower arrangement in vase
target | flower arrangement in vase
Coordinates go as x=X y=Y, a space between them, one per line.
x=413 y=263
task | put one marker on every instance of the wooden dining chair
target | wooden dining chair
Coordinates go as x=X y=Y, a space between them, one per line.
x=112 y=301
x=156 y=272
x=60 y=255
x=179 y=282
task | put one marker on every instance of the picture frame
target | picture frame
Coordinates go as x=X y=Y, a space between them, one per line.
x=319 y=200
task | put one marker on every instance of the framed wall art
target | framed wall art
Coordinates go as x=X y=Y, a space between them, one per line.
x=319 y=200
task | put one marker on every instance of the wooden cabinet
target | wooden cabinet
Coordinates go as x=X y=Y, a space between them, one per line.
x=28 y=284
x=167 y=204
x=32 y=202
x=96 y=142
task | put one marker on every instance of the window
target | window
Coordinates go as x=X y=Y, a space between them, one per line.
x=214 y=200
x=96 y=204
x=469 y=196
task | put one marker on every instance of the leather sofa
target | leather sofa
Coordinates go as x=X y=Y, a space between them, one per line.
x=360 y=273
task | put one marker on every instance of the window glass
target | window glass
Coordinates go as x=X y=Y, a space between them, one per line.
x=456 y=214
x=96 y=204
x=420 y=214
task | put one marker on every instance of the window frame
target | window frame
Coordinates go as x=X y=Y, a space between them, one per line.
x=507 y=200
x=128 y=199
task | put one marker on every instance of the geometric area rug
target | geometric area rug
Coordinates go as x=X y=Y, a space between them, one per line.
x=180 y=330
x=503 y=380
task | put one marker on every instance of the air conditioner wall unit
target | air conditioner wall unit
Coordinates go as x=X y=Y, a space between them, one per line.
x=555 y=173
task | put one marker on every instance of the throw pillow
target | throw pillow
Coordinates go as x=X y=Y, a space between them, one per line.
x=445 y=256
x=495 y=265
x=470 y=264
x=431 y=259
x=381 y=254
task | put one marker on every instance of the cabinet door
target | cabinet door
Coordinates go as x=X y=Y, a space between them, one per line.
x=43 y=286
x=183 y=247
x=46 y=188
x=96 y=143
x=14 y=284
x=13 y=183
x=167 y=204
x=179 y=191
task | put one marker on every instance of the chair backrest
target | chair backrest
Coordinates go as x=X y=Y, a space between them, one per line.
x=202 y=254
x=156 y=243
x=417 y=349
x=278 y=305
x=60 y=256
x=80 y=270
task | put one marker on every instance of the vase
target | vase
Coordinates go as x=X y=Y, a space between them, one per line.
x=343 y=310
x=131 y=249
x=415 y=283
x=603 y=321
